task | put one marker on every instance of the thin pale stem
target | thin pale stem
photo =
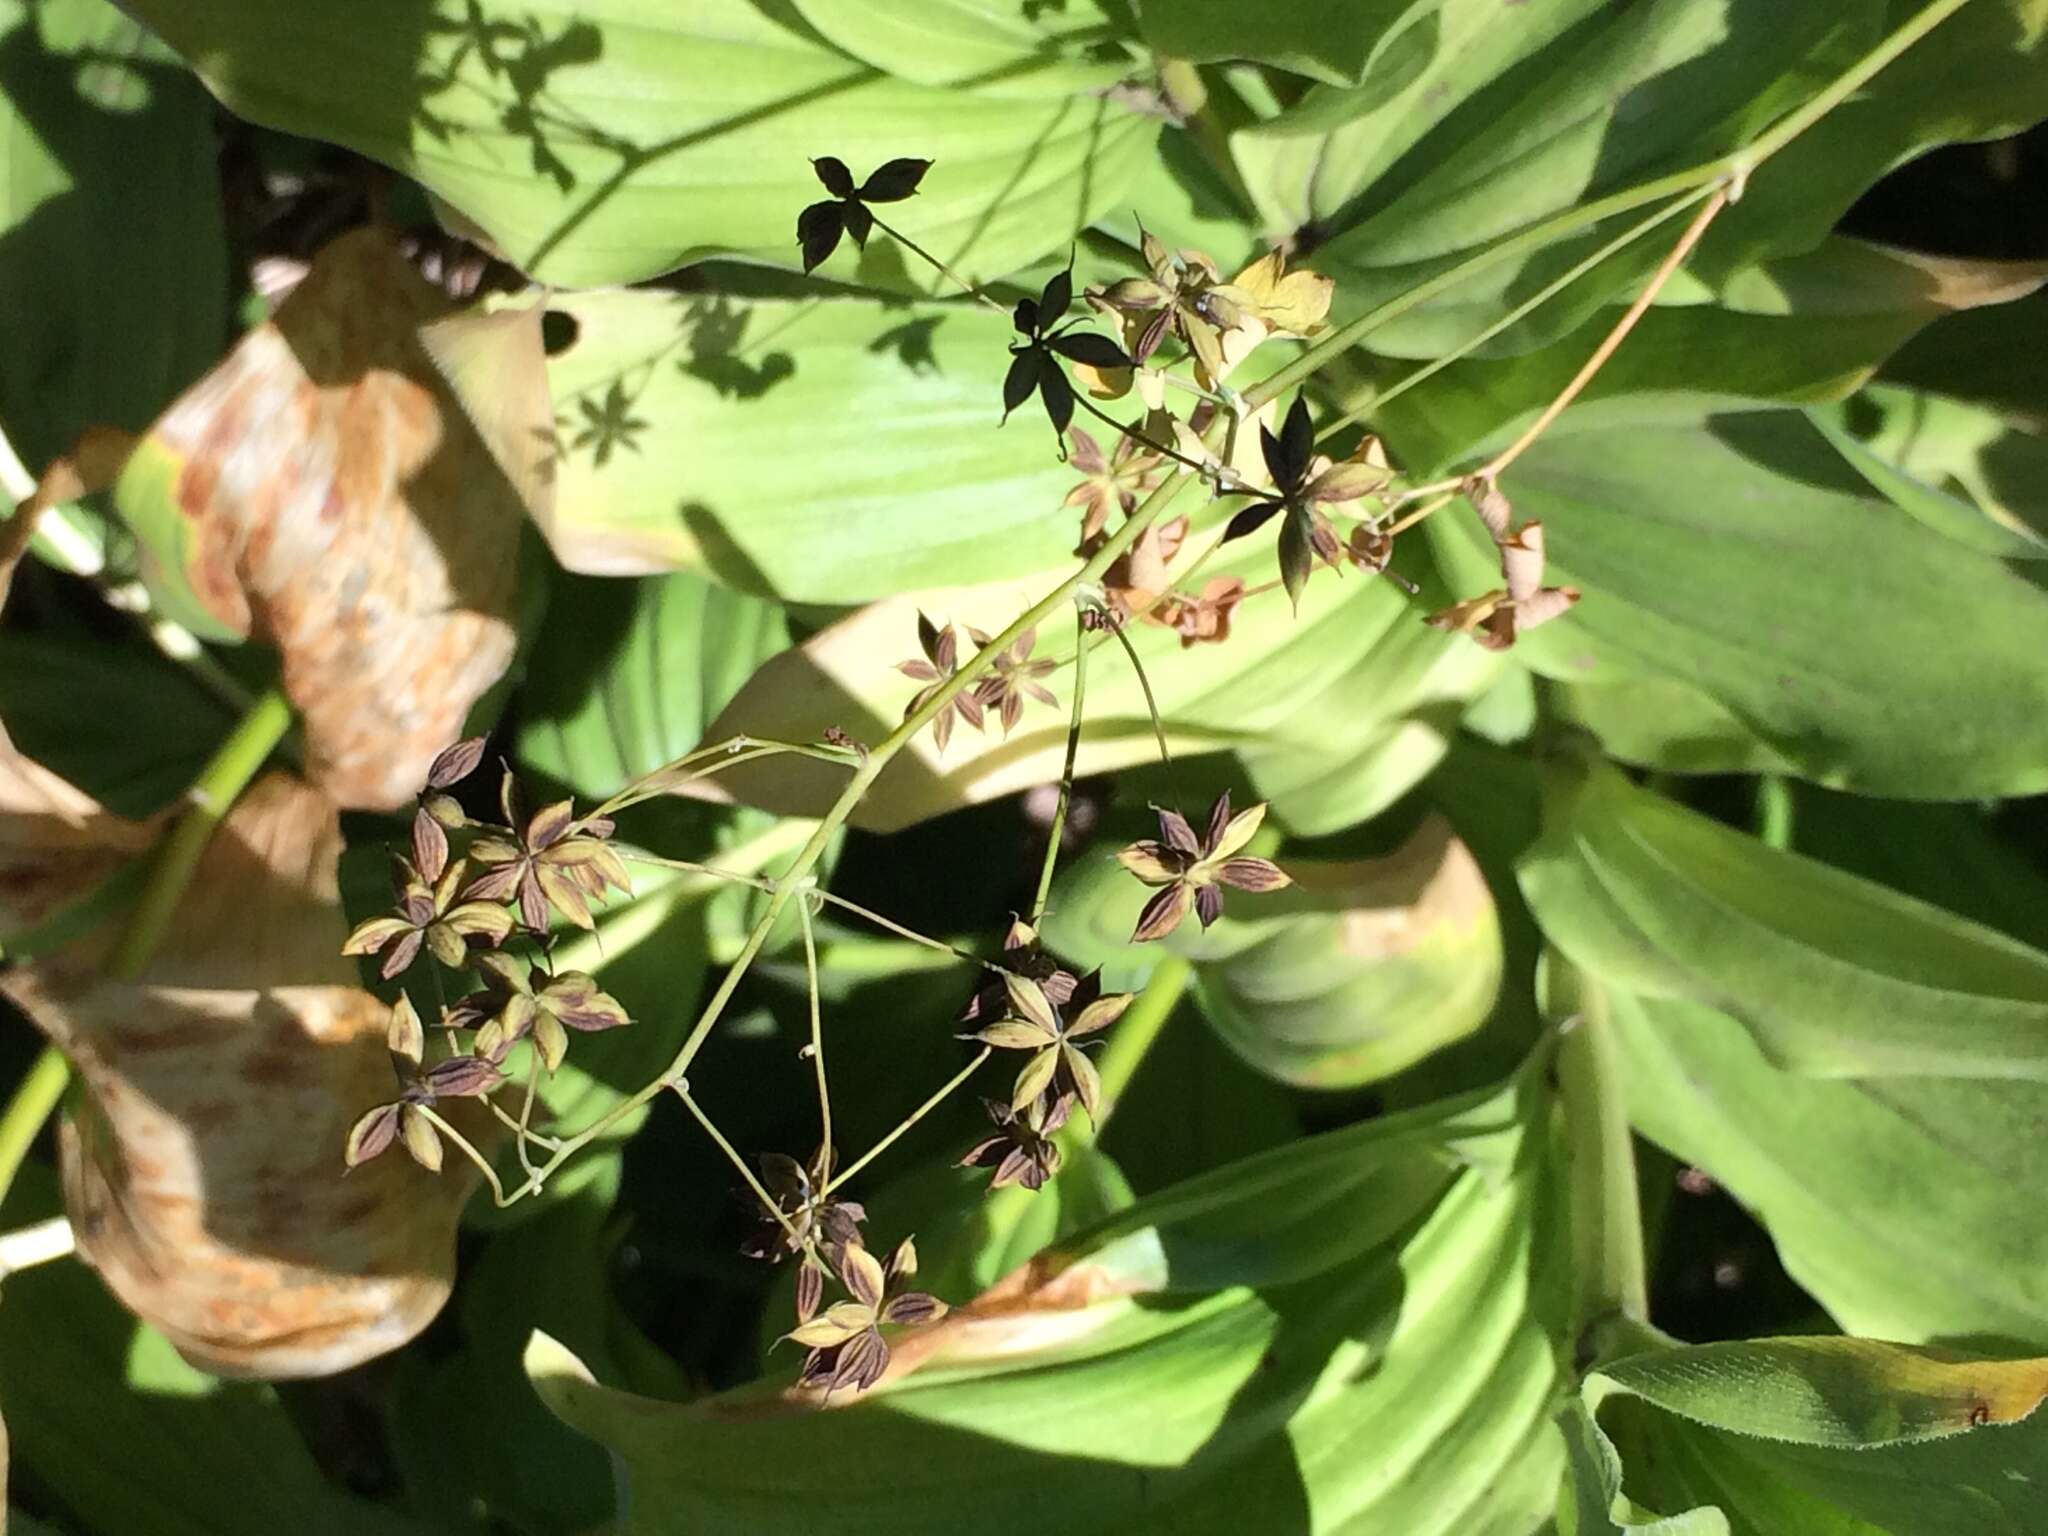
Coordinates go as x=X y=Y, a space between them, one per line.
x=921 y=1111
x=1731 y=170
x=1673 y=260
x=1427 y=509
x=1151 y=705
x=720 y=755
x=1059 y=811
x=803 y=912
x=932 y=261
x=1520 y=312
x=1138 y=437
x=468 y=1150
x=732 y=1155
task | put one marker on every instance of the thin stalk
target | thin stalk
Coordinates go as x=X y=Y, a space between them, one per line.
x=932 y=261
x=35 y=1099
x=918 y=1114
x=1059 y=810
x=1733 y=170
x=1151 y=705
x=1520 y=312
x=1135 y=435
x=1136 y=1031
x=468 y=1150
x=803 y=912
x=1675 y=258
x=768 y=1201
x=210 y=797
x=1427 y=509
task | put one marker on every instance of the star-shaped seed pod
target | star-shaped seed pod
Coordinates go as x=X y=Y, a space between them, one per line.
x=812 y=1226
x=1299 y=486
x=1022 y=1150
x=1191 y=871
x=459 y=1077
x=941 y=659
x=551 y=860
x=431 y=916
x=1051 y=1032
x=1014 y=676
x=847 y=1348
x=1114 y=482
x=819 y=226
x=1035 y=366
x=517 y=1001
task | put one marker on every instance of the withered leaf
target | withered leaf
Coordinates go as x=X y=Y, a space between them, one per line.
x=348 y=485
x=203 y=1174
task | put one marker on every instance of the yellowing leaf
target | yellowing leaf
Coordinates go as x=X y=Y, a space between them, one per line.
x=204 y=1173
x=1290 y=303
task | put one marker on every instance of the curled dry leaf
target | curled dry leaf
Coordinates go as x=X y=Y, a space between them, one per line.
x=348 y=485
x=203 y=1175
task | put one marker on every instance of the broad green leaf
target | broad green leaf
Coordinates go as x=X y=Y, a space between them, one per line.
x=1744 y=560
x=1355 y=972
x=103 y=135
x=626 y=674
x=1630 y=93
x=1308 y=164
x=1835 y=1437
x=1334 y=40
x=1836 y=976
x=971 y=42
x=516 y=1465
x=1890 y=1199
x=71 y=702
x=1986 y=357
x=598 y=145
x=816 y=451
x=1592 y=1503
x=1634 y=91
x=1343 y=1334
x=1962 y=469
x=103 y=1413
x=1280 y=683
x=1789 y=331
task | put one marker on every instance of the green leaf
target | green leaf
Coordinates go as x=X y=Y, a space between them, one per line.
x=1279 y=685
x=516 y=1464
x=112 y=255
x=1355 y=972
x=1965 y=471
x=824 y=452
x=1793 y=330
x=597 y=150
x=1837 y=1437
x=1335 y=40
x=1743 y=560
x=966 y=42
x=72 y=702
x=104 y=1414
x=1836 y=976
x=1224 y=1352
x=1888 y=1198
x=626 y=674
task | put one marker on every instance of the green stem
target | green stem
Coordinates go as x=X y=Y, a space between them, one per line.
x=1136 y=1031
x=803 y=912
x=1609 y=1273
x=1059 y=811
x=35 y=1099
x=245 y=751
x=1774 y=811
x=916 y=1115
x=1732 y=169
x=732 y=1155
